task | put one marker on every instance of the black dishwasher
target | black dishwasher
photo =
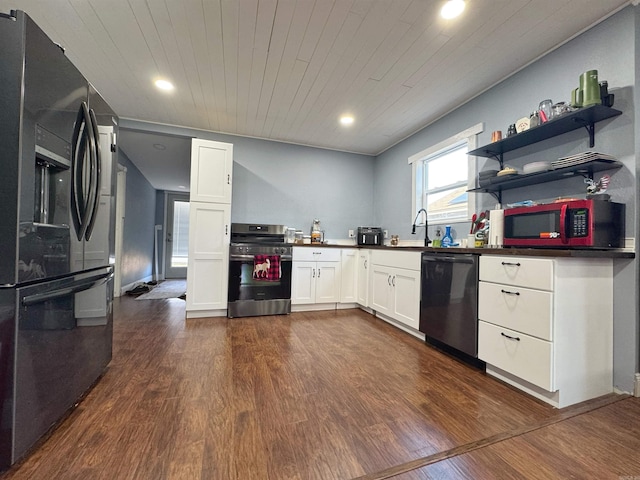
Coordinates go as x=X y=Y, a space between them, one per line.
x=449 y=301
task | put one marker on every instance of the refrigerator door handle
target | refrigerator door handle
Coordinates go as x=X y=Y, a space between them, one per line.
x=96 y=173
x=87 y=184
x=81 y=286
x=77 y=158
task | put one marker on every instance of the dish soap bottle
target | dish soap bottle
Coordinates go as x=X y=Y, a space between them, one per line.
x=437 y=242
x=447 y=240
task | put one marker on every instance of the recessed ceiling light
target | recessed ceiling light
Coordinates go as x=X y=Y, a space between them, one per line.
x=164 y=84
x=452 y=9
x=346 y=120
x=159 y=146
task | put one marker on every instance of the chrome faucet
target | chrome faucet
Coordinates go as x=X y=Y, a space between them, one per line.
x=426 y=227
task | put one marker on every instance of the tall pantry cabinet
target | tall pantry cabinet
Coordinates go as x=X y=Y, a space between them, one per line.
x=209 y=228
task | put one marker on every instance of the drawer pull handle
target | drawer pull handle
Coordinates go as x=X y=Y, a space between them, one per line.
x=517 y=339
x=511 y=264
x=510 y=293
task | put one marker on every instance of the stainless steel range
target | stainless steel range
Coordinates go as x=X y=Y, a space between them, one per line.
x=260 y=265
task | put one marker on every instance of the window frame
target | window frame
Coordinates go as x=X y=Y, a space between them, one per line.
x=417 y=162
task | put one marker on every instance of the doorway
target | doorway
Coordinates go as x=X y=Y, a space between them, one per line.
x=177 y=236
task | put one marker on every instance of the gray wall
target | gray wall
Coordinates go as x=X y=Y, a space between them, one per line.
x=553 y=76
x=611 y=49
x=291 y=184
x=137 y=245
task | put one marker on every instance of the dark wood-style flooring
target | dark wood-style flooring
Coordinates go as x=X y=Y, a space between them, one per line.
x=322 y=395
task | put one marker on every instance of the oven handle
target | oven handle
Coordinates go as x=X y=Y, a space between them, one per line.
x=284 y=258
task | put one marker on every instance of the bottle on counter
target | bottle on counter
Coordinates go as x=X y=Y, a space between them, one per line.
x=447 y=240
x=437 y=242
x=316 y=233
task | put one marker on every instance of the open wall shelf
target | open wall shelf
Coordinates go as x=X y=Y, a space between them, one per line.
x=508 y=182
x=584 y=117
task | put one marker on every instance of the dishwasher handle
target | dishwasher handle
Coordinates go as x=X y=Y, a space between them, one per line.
x=464 y=258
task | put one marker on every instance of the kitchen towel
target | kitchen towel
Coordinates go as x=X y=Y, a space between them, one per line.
x=496 y=228
x=266 y=268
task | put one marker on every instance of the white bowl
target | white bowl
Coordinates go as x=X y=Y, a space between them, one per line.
x=535 y=167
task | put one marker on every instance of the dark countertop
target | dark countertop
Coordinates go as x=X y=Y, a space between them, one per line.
x=513 y=251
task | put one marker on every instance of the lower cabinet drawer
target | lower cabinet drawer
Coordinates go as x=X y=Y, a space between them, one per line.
x=526 y=357
x=516 y=308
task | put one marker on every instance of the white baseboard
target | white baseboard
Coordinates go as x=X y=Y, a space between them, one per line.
x=401 y=326
x=313 y=307
x=205 y=313
x=345 y=306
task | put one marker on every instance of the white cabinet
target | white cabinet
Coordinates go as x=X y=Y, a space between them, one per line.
x=211 y=167
x=546 y=325
x=209 y=228
x=363 y=277
x=395 y=286
x=349 y=275
x=316 y=275
x=208 y=264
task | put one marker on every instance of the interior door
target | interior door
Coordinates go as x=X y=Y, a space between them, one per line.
x=177 y=236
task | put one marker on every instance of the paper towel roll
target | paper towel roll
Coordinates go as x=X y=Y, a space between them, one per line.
x=496 y=228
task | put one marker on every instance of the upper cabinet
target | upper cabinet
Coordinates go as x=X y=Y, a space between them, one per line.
x=211 y=168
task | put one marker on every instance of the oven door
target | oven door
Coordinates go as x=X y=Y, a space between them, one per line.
x=253 y=293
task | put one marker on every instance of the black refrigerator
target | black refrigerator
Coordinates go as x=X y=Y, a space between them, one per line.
x=58 y=155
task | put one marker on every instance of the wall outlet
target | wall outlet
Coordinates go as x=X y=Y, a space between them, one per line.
x=352 y=234
x=386 y=233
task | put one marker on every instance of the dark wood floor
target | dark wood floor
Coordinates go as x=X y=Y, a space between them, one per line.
x=323 y=395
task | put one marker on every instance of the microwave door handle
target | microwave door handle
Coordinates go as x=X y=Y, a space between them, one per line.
x=563 y=224
x=96 y=177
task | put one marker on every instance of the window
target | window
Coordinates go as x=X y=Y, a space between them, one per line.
x=442 y=174
x=180 y=237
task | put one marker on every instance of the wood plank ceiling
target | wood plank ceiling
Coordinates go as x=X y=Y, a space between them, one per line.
x=287 y=69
